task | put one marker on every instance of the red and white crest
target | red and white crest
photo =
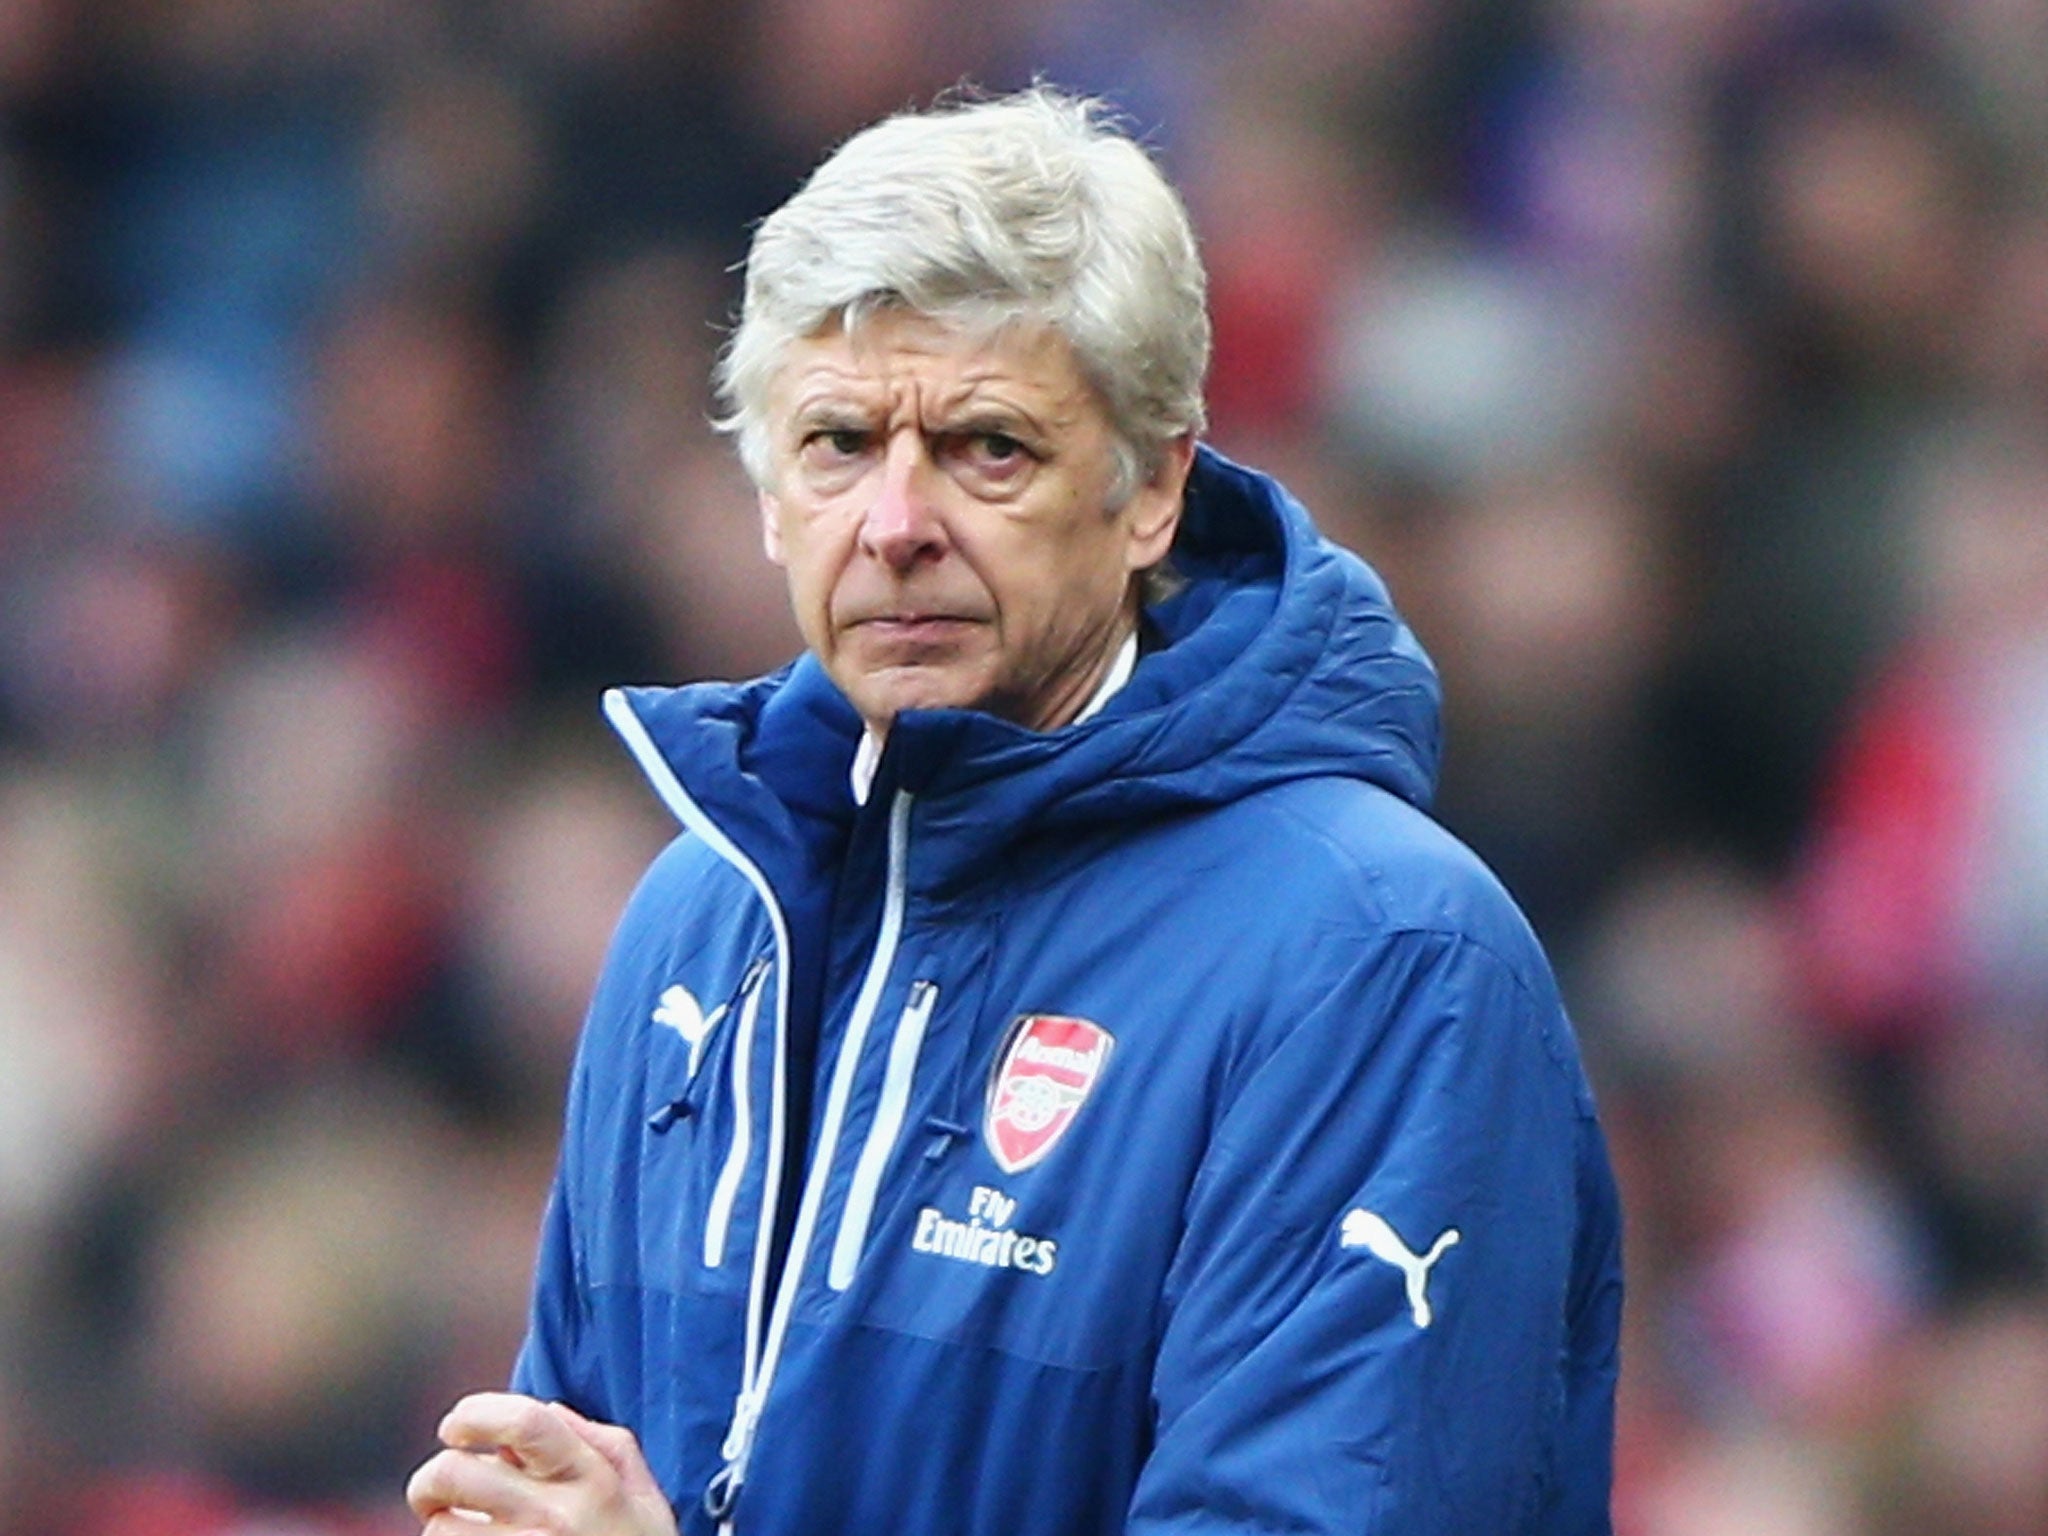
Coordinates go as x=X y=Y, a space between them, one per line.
x=1045 y=1070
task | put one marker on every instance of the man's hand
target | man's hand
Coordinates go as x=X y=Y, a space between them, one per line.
x=517 y=1464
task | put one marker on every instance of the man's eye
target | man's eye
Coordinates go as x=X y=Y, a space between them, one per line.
x=994 y=450
x=837 y=442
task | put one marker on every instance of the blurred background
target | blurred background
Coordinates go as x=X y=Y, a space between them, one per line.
x=1682 y=363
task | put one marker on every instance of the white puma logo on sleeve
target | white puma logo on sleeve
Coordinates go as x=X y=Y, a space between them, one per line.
x=1369 y=1230
x=681 y=1012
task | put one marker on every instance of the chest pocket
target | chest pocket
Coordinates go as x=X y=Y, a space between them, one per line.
x=1059 y=1262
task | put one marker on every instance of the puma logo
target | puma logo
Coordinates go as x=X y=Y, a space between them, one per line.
x=1369 y=1230
x=681 y=1012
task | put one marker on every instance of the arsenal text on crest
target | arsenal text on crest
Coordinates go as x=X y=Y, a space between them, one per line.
x=1044 y=1071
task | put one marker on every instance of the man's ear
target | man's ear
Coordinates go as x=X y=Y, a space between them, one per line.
x=771 y=527
x=1153 y=512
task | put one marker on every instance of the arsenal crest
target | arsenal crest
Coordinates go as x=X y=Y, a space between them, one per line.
x=1045 y=1070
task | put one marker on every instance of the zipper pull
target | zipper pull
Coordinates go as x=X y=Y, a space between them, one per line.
x=664 y=1118
x=723 y=1491
x=944 y=1133
x=739 y=1435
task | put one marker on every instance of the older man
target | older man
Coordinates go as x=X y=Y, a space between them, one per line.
x=1060 y=1080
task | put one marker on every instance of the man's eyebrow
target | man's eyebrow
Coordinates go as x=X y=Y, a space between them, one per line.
x=991 y=416
x=830 y=411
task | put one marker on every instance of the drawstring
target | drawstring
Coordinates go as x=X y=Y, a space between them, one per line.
x=665 y=1117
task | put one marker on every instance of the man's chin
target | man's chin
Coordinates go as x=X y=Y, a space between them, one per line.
x=911 y=688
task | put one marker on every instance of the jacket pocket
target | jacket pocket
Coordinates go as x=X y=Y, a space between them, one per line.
x=884 y=1131
x=703 y=1127
x=739 y=1146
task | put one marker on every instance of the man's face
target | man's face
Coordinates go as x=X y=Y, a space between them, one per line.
x=941 y=509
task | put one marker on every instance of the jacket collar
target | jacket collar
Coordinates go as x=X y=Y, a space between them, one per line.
x=1282 y=657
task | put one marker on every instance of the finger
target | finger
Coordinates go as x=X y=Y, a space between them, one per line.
x=536 y=1439
x=477 y=1482
x=617 y=1445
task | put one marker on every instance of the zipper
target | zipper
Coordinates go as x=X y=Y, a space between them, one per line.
x=718 y=1220
x=746 y=1408
x=763 y=1347
x=723 y=1491
x=882 y=1134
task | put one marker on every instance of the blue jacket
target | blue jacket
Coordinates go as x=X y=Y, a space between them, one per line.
x=1155 y=1125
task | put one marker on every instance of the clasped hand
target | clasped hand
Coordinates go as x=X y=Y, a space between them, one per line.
x=516 y=1464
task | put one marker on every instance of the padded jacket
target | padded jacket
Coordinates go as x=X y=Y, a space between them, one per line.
x=1155 y=1125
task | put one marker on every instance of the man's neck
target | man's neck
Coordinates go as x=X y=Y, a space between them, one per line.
x=867 y=756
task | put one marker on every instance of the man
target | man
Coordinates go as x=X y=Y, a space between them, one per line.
x=1060 y=1081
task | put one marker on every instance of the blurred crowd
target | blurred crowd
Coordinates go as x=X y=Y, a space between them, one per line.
x=1682 y=363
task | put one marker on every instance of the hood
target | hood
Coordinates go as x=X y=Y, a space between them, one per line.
x=1283 y=658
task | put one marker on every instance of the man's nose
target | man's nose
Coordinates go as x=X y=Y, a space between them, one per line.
x=901 y=525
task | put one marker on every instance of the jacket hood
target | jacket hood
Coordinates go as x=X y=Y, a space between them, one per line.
x=1283 y=658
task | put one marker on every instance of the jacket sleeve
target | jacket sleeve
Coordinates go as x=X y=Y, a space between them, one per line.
x=562 y=1357
x=1367 y=1320
x=559 y=1359
x=554 y=1362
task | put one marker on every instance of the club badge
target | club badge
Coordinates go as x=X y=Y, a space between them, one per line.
x=1045 y=1070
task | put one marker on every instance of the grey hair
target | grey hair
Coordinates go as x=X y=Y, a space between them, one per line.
x=1034 y=209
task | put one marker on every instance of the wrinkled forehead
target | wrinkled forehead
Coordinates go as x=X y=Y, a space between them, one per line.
x=886 y=350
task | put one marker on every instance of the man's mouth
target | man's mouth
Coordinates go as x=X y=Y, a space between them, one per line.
x=909 y=624
x=911 y=639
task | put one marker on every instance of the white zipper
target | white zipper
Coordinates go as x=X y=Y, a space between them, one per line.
x=888 y=1125
x=739 y=1440
x=718 y=1221
x=764 y=1350
x=752 y=1375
